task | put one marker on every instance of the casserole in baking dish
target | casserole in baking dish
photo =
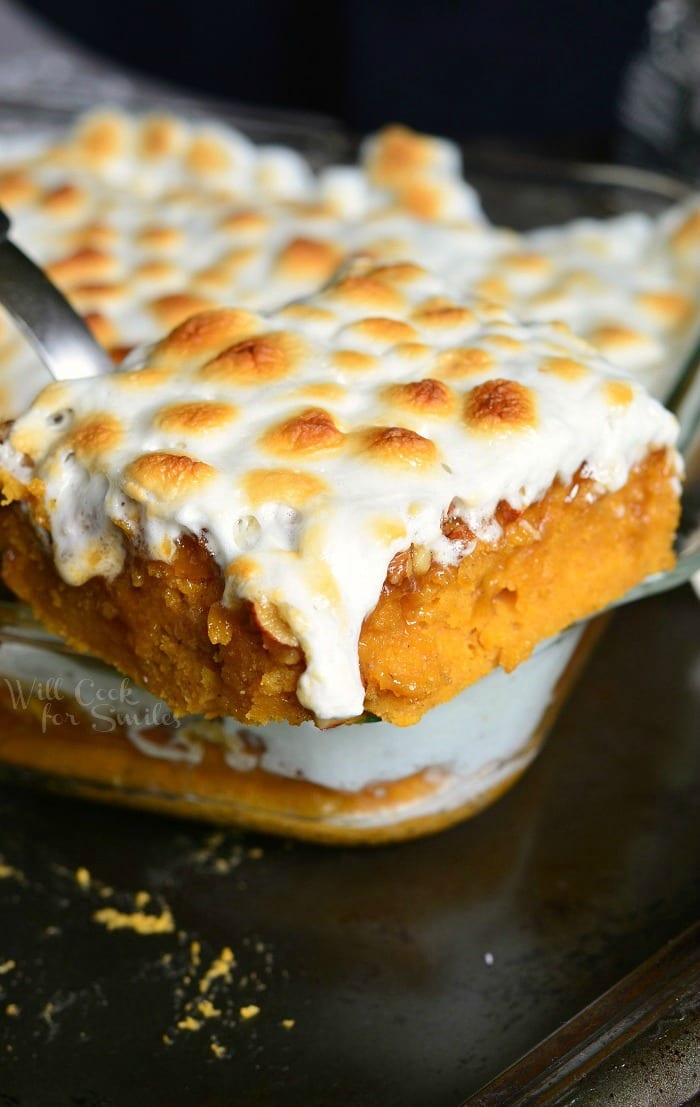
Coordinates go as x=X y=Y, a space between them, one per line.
x=501 y=482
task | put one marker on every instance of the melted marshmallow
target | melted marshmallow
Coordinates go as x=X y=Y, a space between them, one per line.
x=143 y=220
x=308 y=447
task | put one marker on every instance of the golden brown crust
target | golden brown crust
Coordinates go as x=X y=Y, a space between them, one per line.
x=102 y=328
x=308 y=257
x=670 y=308
x=366 y=291
x=686 y=237
x=399 y=446
x=618 y=393
x=95 y=435
x=256 y=360
x=400 y=153
x=382 y=331
x=196 y=417
x=84 y=265
x=16 y=187
x=176 y=308
x=463 y=362
x=442 y=314
x=64 y=201
x=165 y=476
x=499 y=406
x=567 y=368
x=355 y=361
x=309 y=432
x=102 y=138
x=291 y=486
x=426 y=397
x=208 y=332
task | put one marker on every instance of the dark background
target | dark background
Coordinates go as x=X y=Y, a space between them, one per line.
x=524 y=69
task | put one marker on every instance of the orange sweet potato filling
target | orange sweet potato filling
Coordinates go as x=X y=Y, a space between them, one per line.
x=430 y=635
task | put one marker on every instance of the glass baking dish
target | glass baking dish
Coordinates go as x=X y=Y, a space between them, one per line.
x=363 y=783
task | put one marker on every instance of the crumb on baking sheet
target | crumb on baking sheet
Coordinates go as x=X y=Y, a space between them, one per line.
x=82 y=877
x=220 y=966
x=9 y=872
x=207 y=1001
x=137 y=921
x=222 y=852
x=189 y=1023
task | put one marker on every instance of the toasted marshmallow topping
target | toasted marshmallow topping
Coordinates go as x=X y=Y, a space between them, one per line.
x=306 y=448
x=143 y=221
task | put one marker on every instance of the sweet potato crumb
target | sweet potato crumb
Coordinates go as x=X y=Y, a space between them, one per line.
x=82 y=877
x=220 y=966
x=137 y=921
x=7 y=872
x=188 y=1023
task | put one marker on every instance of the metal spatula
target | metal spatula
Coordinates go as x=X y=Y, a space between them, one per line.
x=57 y=333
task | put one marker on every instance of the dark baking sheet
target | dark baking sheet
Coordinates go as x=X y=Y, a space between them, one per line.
x=413 y=974
x=570 y=881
